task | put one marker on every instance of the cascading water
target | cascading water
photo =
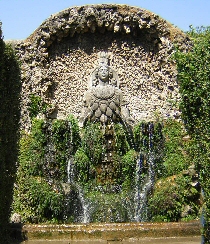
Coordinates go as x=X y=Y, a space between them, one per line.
x=98 y=204
x=75 y=197
x=105 y=163
x=85 y=217
x=70 y=173
x=144 y=179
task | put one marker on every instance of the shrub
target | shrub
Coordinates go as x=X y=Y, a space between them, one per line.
x=170 y=197
x=176 y=150
x=194 y=80
x=43 y=159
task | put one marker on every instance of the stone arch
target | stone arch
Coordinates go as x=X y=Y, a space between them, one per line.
x=59 y=56
x=93 y=18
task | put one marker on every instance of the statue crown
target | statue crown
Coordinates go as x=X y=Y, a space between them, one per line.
x=103 y=59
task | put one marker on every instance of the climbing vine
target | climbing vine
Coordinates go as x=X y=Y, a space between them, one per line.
x=194 y=80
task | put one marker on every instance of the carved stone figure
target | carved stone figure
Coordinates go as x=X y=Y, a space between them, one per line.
x=103 y=101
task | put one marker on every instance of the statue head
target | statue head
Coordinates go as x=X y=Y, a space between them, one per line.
x=103 y=74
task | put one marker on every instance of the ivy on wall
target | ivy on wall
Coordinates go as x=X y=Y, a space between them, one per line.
x=44 y=154
x=176 y=151
x=194 y=80
x=175 y=197
x=43 y=158
x=36 y=106
x=89 y=158
x=9 y=126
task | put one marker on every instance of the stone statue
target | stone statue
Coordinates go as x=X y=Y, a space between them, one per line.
x=103 y=104
x=103 y=101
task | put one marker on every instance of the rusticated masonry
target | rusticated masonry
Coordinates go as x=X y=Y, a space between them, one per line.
x=59 y=57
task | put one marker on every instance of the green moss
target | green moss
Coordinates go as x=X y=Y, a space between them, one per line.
x=43 y=158
x=83 y=170
x=122 y=142
x=93 y=142
x=176 y=150
x=129 y=169
x=170 y=197
x=36 y=106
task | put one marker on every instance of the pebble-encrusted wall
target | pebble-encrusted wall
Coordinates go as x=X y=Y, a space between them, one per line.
x=57 y=59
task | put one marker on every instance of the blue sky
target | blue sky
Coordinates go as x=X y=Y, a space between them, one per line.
x=21 y=17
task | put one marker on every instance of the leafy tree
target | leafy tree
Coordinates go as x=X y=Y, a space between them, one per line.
x=9 y=125
x=194 y=79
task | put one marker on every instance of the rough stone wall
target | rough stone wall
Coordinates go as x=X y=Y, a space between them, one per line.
x=57 y=59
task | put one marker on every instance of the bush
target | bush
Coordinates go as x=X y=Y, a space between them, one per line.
x=38 y=201
x=176 y=150
x=194 y=79
x=170 y=197
x=43 y=159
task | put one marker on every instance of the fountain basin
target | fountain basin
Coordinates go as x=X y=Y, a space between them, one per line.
x=111 y=232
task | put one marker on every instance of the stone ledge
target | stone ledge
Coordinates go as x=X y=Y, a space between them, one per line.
x=111 y=231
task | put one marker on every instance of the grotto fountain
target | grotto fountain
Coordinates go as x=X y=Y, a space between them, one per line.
x=119 y=178
x=109 y=68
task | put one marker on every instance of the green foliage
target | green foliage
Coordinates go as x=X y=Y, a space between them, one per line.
x=43 y=158
x=36 y=106
x=91 y=170
x=92 y=142
x=170 y=197
x=84 y=171
x=194 y=73
x=121 y=139
x=129 y=169
x=75 y=133
x=37 y=132
x=194 y=79
x=38 y=201
x=9 y=125
x=30 y=156
x=176 y=150
x=173 y=191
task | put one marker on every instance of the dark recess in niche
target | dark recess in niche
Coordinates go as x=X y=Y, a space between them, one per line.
x=147 y=39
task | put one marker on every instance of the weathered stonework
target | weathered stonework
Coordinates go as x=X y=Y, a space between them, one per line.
x=103 y=101
x=59 y=57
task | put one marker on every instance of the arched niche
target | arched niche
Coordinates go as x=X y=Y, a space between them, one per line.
x=58 y=58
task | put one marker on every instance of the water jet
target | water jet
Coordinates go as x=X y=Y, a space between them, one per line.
x=110 y=68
